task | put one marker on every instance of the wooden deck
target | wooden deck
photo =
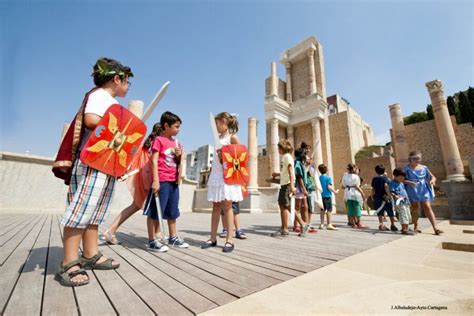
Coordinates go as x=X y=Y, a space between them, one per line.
x=179 y=282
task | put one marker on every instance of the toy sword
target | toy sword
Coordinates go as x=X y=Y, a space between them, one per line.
x=155 y=101
x=217 y=141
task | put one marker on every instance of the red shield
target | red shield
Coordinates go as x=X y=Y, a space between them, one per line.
x=234 y=160
x=115 y=141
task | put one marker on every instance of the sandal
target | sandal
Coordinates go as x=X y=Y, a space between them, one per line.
x=228 y=247
x=438 y=231
x=110 y=238
x=91 y=263
x=209 y=244
x=65 y=278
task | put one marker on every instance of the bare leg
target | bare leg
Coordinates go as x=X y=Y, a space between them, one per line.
x=122 y=217
x=430 y=214
x=284 y=217
x=237 y=221
x=414 y=215
x=72 y=240
x=321 y=216
x=228 y=220
x=150 y=225
x=172 y=227
x=89 y=243
x=216 y=213
x=328 y=215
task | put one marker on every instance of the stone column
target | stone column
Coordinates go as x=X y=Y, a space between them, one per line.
x=289 y=97
x=398 y=129
x=290 y=135
x=253 y=155
x=136 y=107
x=273 y=80
x=274 y=155
x=447 y=138
x=312 y=71
x=317 y=146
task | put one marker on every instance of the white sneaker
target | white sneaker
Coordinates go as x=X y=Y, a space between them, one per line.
x=157 y=246
x=177 y=242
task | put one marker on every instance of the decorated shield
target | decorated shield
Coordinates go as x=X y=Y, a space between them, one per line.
x=115 y=141
x=234 y=160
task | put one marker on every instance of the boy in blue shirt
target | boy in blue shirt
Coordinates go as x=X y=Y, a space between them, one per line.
x=400 y=198
x=328 y=190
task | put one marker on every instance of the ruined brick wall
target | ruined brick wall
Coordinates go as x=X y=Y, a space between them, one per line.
x=281 y=89
x=367 y=167
x=303 y=133
x=424 y=137
x=300 y=79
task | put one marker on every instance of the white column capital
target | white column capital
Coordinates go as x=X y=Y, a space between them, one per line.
x=435 y=86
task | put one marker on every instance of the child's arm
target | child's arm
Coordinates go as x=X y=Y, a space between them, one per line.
x=91 y=120
x=331 y=188
x=387 y=190
x=291 y=172
x=156 y=180
x=358 y=188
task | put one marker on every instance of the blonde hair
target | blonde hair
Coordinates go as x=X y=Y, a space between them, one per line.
x=232 y=122
x=285 y=146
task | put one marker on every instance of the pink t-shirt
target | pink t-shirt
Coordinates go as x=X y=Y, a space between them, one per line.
x=167 y=161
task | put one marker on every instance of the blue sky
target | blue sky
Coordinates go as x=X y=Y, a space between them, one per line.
x=217 y=55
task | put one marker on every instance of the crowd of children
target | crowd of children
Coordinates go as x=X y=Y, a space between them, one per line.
x=90 y=191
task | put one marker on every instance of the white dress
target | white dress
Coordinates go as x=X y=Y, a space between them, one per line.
x=217 y=190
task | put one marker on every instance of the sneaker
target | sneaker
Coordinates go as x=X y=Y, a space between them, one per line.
x=177 y=242
x=394 y=228
x=239 y=234
x=157 y=246
x=321 y=226
x=331 y=227
x=223 y=234
x=304 y=231
x=383 y=228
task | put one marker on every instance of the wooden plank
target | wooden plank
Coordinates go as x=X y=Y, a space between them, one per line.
x=31 y=280
x=238 y=286
x=11 y=270
x=193 y=301
x=158 y=300
x=9 y=223
x=57 y=300
x=13 y=232
x=194 y=278
x=16 y=240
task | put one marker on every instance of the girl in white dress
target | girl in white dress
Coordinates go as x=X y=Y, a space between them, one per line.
x=220 y=194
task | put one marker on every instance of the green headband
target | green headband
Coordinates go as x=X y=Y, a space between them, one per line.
x=104 y=70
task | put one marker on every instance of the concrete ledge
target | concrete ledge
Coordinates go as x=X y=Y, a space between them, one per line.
x=457 y=246
x=462 y=222
x=8 y=156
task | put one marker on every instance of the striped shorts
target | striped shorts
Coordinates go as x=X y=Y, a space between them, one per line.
x=88 y=198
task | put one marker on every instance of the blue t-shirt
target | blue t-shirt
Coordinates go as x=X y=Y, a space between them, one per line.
x=399 y=189
x=325 y=182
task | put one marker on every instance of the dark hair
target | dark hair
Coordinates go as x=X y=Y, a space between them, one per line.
x=352 y=167
x=232 y=122
x=380 y=169
x=285 y=146
x=399 y=172
x=304 y=145
x=300 y=154
x=323 y=168
x=157 y=131
x=169 y=118
x=105 y=69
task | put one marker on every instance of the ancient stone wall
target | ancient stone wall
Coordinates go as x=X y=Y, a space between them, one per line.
x=281 y=88
x=423 y=136
x=300 y=79
x=367 y=167
x=303 y=133
x=263 y=171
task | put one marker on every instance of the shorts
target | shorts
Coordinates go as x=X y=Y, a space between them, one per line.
x=235 y=208
x=284 y=196
x=299 y=195
x=327 y=204
x=386 y=208
x=353 y=208
x=404 y=214
x=169 y=200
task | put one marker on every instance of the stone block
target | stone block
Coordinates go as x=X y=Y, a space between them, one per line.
x=460 y=199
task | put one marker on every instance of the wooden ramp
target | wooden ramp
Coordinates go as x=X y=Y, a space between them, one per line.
x=179 y=282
